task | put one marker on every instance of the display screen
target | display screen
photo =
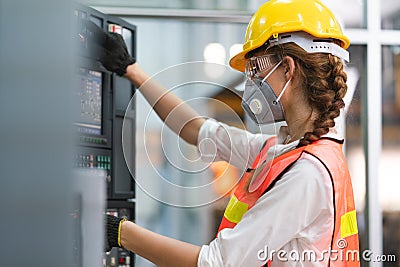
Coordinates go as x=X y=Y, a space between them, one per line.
x=89 y=94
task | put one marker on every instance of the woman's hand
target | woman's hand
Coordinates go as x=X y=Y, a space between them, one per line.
x=112 y=232
x=161 y=250
x=110 y=48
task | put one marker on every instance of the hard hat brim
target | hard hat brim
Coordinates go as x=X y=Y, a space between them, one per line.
x=238 y=62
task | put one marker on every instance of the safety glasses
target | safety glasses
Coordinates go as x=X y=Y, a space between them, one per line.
x=259 y=64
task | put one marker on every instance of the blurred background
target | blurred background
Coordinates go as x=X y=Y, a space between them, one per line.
x=178 y=31
x=172 y=32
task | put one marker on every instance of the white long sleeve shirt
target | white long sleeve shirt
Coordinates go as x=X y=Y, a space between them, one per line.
x=294 y=218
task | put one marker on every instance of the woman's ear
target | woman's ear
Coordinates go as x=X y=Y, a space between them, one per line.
x=289 y=67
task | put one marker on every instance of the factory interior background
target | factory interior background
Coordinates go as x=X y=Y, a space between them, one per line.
x=171 y=36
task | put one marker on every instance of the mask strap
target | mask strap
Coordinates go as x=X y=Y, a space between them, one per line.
x=283 y=90
x=273 y=69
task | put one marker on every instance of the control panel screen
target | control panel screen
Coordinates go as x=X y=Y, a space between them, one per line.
x=89 y=93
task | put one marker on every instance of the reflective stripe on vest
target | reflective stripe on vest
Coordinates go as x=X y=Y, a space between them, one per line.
x=329 y=153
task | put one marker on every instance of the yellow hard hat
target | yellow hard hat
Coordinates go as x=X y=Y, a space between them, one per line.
x=283 y=16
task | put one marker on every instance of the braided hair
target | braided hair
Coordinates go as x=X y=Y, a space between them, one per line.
x=324 y=80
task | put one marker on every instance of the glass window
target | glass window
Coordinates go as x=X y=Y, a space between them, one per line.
x=350 y=17
x=389 y=182
x=353 y=16
x=390 y=12
x=356 y=92
x=176 y=4
x=162 y=43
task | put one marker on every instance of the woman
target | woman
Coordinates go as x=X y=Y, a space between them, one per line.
x=294 y=205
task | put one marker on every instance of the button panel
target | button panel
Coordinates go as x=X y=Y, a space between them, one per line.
x=93 y=140
x=93 y=161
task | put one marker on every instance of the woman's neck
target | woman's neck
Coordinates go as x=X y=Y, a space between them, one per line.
x=299 y=120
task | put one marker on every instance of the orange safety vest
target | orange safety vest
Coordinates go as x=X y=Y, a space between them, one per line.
x=344 y=249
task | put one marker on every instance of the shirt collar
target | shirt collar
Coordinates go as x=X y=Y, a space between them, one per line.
x=285 y=139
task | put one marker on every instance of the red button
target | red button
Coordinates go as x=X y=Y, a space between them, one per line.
x=121 y=260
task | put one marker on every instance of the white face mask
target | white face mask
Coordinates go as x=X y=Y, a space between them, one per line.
x=260 y=101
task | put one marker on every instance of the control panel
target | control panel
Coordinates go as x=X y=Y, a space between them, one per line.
x=101 y=99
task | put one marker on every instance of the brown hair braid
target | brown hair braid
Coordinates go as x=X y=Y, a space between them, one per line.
x=324 y=83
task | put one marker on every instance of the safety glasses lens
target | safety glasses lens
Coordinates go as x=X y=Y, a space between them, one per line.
x=257 y=65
